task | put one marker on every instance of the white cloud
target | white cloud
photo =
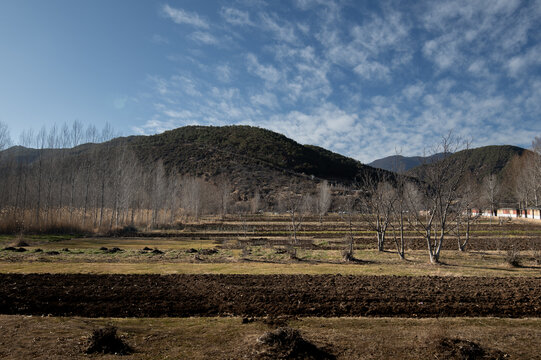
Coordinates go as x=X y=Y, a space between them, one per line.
x=158 y=39
x=282 y=30
x=265 y=72
x=413 y=91
x=266 y=99
x=519 y=63
x=181 y=16
x=203 y=37
x=224 y=73
x=372 y=70
x=236 y=17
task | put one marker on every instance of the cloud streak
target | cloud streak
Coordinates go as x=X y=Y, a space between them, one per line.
x=360 y=79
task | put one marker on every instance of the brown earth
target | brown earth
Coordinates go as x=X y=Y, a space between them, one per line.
x=267 y=295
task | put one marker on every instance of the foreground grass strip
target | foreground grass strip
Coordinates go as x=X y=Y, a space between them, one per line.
x=262 y=268
x=26 y=337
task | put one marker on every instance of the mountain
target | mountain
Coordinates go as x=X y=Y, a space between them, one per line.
x=401 y=164
x=505 y=162
x=484 y=161
x=250 y=159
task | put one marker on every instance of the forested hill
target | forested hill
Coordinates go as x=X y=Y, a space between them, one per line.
x=401 y=164
x=249 y=158
x=203 y=149
x=480 y=162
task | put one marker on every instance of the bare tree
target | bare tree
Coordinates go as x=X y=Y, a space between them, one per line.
x=255 y=202
x=5 y=139
x=535 y=165
x=324 y=199
x=378 y=197
x=349 y=206
x=467 y=200
x=399 y=213
x=224 y=187
x=294 y=199
x=491 y=193
x=431 y=203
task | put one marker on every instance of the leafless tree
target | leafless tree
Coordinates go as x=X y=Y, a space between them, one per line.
x=5 y=138
x=467 y=200
x=399 y=213
x=349 y=207
x=293 y=199
x=255 y=202
x=377 y=197
x=491 y=193
x=431 y=202
x=324 y=199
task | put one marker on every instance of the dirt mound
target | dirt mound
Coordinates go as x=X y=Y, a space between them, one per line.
x=459 y=349
x=287 y=343
x=107 y=341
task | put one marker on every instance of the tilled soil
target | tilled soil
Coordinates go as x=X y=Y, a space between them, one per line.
x=267 y=295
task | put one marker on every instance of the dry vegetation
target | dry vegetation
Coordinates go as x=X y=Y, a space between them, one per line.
x=228 y=338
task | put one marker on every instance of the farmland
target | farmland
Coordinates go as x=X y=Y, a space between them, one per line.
x=236 y=273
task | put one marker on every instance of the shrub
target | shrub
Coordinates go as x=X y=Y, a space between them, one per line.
x=512 y=257
x=106 y=341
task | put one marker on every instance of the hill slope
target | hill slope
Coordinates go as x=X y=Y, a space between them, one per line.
x=401 y=164
x=249 y=158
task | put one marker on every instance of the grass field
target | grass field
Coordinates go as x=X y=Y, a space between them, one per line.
x=26 y=337
x=489 y=263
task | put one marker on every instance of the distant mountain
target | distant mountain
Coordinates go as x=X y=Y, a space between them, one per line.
x=401 y=164
x=483 y=161
x=503 y=161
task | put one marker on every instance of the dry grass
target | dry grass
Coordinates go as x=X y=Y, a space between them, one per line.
x=26 y=337
x=228 y=262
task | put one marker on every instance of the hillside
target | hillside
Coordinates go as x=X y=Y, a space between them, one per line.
x=483 y=161
x=503 y=161
x=250 y=159
x=401 y=164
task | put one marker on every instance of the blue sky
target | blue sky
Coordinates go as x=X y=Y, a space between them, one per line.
x=362 y=78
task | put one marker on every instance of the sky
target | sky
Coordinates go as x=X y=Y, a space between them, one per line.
x=366 y=79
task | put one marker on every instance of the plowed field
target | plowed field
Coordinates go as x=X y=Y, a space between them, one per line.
x=270 y=295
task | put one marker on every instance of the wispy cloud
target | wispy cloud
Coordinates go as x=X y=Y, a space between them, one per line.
x=360 y=79
x=266 y=72
x=236 y=16
x=281 y=30
x=204 y=37
x=181 y=16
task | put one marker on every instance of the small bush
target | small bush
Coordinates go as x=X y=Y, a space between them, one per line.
x=20 y=243
x=287 y=343
x=452 y=348
x=512 y=257
x=537 y=257
x=107 y=341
